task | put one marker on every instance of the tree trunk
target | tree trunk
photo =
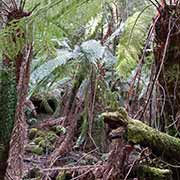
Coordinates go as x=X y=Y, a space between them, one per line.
x=167 y=60
x=8 y=100
x=15 y=72
x=19 y=133
x=152 y=173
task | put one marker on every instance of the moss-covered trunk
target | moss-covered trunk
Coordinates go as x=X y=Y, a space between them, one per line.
x=8 y=100
x=162 y=144
x=11 y=99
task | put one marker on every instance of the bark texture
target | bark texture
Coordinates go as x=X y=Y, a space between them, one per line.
x=15 y=74
x=167 y=62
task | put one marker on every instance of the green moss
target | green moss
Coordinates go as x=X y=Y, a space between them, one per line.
x=40 y=134
x=32 y=133
x=154 y=173
x=8 y=100
x=51 y=136
x=37 y=150
x=137 y=131
x=43 y=143
x=38 y=140
x=140 y=133
x=59 y=129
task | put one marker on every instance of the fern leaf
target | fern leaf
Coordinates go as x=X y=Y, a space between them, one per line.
x=131 y=45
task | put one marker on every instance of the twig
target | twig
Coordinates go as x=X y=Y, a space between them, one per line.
x=71 y=168
x=6 y=10
x=22 y=3
x=81 y=175
x=160 y=68
x=156 y=5
x=164 y=98
x=3 y=14
x=132 y=165
x=151 y=29
x=136 y=160
x=83 y=157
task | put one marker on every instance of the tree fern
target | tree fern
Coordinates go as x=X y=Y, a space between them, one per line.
x=66 y=61
x=52 y=19
x=16 y=46
x=132 y=42
x=67 y=19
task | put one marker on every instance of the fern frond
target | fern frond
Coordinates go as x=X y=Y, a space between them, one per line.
x=66 y=61
x=66 y=19
x=131 y=44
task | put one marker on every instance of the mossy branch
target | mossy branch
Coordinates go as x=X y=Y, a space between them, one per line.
x=153 y=173
x=162 y=144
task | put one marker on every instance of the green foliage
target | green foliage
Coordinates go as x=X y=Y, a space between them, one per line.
x=64 y=19
x=8 y=99
x=12 y=44
x=84 y=130
x=94 y=26
x=78 y=65
x=132 y=42
x=51 y=19
x=56 y=68
x=65 y=64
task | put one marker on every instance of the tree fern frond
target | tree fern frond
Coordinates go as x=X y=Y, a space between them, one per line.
x=132 y=41
x=68 y=18
x=89 y=53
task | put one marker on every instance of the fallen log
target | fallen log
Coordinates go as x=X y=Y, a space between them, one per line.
x=161 y=144
x=153 y=173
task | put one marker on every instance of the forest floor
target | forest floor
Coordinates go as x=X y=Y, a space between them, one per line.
x=42 y=140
